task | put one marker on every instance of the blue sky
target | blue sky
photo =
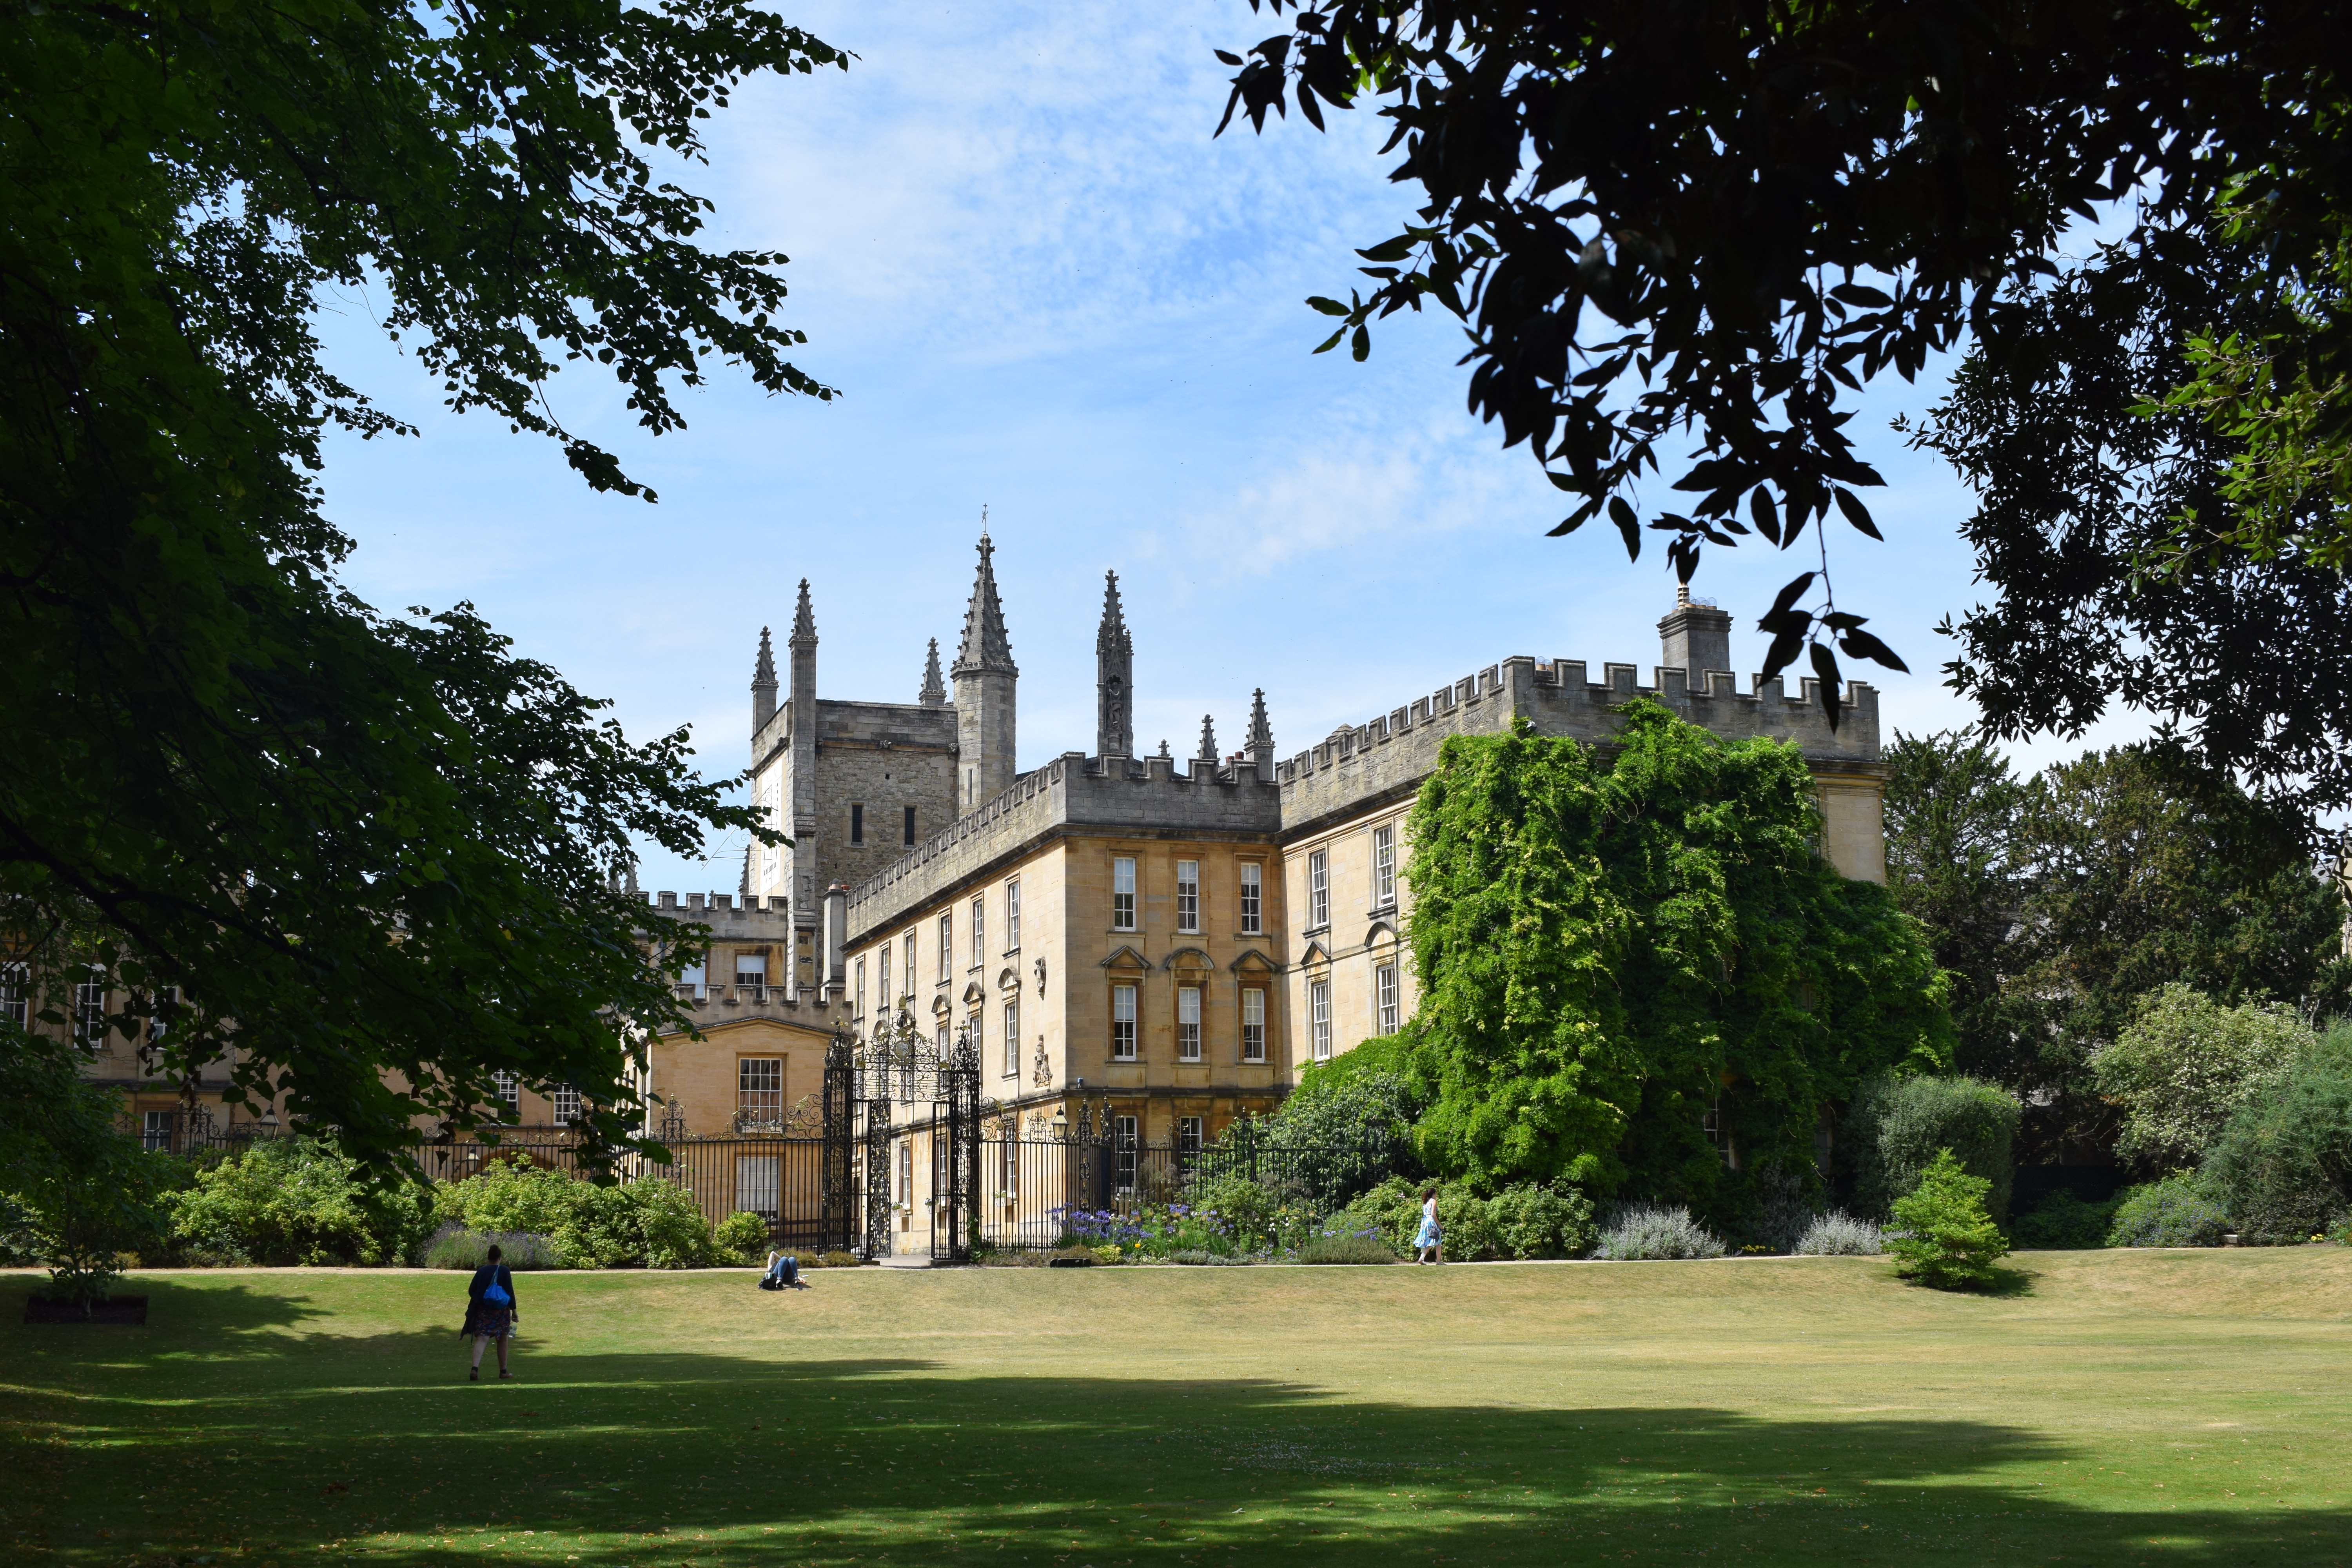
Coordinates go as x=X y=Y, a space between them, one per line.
x=1041 y=286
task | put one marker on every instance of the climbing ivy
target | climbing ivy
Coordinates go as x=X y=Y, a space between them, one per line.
x=1612 y=943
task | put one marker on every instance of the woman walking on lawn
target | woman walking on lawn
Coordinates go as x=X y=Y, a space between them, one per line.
x=490 y=1312
x=1429 y=1242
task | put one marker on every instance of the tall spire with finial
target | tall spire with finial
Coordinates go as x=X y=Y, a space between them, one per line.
x=1114 y=678
x=803 y=620
x=764 y=685
x=1259 y=747
x=984 y=680
x=935 y=691
x=1208 y=740
x=985 y=644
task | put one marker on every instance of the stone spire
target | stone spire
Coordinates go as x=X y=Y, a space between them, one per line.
x=804 y=621
x=1114 y=678
x=985 y=646
x=1208 y=740
x=764 y=685
x=935 y=691
x=1259 y=748
x=985 y=677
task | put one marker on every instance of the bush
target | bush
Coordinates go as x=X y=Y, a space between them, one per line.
x=1895 y=1126
x=2063 y=1222
x=1345 y=1248
x=1644 y=1232
x=1948 y=1239
x=1835 y=1235
x=652 y=1223
x=2174 y=1212
x=1241 y=1209
x=2283 y=1166
x=1534 y=1221
x=296 y=1201
x=1209 y=1259
x=2185 y=1064
x=677 y=1234
x=836 y=1259
x=742 y=1235
x=1392 y=1212
x=455 y=1246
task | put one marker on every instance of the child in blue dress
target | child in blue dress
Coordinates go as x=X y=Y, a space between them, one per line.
x=1429 y=1241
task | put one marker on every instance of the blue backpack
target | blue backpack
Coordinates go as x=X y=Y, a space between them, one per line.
x=496 y=1294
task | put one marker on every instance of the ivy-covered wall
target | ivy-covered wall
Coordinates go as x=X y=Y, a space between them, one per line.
x=1612 y=947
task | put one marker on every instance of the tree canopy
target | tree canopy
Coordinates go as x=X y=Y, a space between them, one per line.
x=2058 y=902
x=338 y=841
x=1683 y=238
x=1620 y=954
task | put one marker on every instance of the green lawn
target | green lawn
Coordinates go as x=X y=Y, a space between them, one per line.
x=2114 y=1407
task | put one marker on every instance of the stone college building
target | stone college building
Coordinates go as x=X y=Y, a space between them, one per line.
x=1177 y=936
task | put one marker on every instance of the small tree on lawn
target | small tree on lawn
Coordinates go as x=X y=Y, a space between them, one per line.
x=1946 y=1239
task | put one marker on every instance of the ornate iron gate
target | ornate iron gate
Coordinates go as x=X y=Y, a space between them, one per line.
x=897 y=1088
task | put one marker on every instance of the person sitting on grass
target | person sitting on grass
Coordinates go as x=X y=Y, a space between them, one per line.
x=490 y=1312
x=783 y=1272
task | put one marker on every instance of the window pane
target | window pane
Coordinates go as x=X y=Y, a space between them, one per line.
x=1319 y=1001
x=1013 y=914
x=1188 y=1023
x=947 y=942
x=1384 y=985
x=760 y=1091
x=1318 y=889
x=1188 y=895
x=979 y=932
x=1251 y=890
x=1253 y=1025
x=1012 y=1039
x=1384 y=864
x=1122 y=1022
x=1122 y=895
x=756 y=1185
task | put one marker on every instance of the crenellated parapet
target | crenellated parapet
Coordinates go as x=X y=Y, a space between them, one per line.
x=1390 y=755
x=1073 y=792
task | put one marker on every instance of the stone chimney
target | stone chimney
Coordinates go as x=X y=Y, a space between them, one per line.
x=1695 y=637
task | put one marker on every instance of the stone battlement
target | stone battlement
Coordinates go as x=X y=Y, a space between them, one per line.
x=1393 y=753
x=1140 y=795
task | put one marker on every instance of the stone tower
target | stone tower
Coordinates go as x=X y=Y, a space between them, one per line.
x=985 y=677
x=1695 y=637
x=1113 y=679
x=763 y=687
x=800 y=808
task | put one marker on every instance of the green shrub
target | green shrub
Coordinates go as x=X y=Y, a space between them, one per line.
x=454 y=1246
x=1392 y=1211
x=836 y=1259
x=1895 y=1126
x=1241 y=1209
x=1648 y=1233
x=600 y=1228
x=2185 y=1064
x=1535 y=1221
x=1835 y=1235
x=2283 y=1166
x=1209 y=1259
x=742 y=1235
x=2174 y=1212
x=1345 y=1248
x=677 y=1234
x=1948 y=1239
x=296 y=1201
x=510 y=1194
x=2063 y=1222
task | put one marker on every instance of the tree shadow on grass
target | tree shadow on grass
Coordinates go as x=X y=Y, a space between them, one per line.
x=370 y=1448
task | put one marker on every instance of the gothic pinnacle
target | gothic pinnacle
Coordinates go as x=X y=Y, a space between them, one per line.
x=935 y=691
x=1208 y=740
x=985 y=644
x=803 y=620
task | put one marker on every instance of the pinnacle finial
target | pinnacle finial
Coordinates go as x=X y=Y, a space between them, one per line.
x=1260 y=731
x=1208 y=740
x=985 y=644
x=803 y=620
x=935 y=691
x=764 y=672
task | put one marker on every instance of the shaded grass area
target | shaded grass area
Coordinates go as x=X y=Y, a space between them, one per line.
x=2111 y=1407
